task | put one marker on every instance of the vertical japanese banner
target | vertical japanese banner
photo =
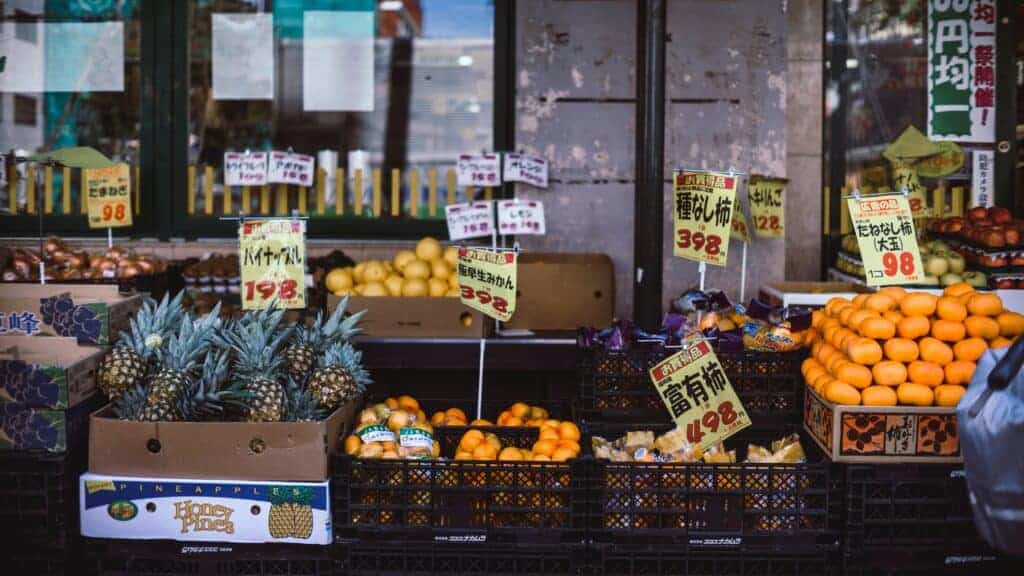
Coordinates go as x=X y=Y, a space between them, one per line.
x=767 y=206
x=888 y=244
x=108 y=196
x=273 y=262
x=983 y=173
x=904 y=176
x=703 y=215
x=487 y=281
x=698 y=395
x=961 y=70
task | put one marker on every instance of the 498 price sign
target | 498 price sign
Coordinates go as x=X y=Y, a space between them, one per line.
x=487 y=281
x=273 y=262
x=884 y=226
x=703 y=215
x=694 y=388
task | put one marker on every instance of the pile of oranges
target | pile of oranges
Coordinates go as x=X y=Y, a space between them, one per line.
x=897 y=347
x=557 y=441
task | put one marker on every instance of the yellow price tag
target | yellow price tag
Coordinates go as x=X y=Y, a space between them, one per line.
x=108 y=196
x=273 y=261
x=888 y=243
x=694 y=388
x=487 y=281
x=740 y=231
x=904 y=175
x=767 y=206
x=703 y=215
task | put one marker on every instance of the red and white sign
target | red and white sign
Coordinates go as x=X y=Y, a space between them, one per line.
x=521 y=217
x=478 y=170
x=245 y=168
x=469 y=220
x=290 y=168
x=527 y=169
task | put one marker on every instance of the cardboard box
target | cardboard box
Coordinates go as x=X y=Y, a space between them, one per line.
x=47 y=372
x=390 y=317
x=261 y=451
x=564 y=291
x=808 y=293
x=45 y=429
x=215 y=510
x=92 y=313
x=882 y=434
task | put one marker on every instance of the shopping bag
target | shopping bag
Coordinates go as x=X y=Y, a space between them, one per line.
x=991 y=416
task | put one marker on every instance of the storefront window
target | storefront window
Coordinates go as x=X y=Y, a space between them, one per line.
x=382 y=96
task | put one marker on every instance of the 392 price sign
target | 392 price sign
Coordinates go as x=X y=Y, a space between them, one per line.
x=885 y=233
x=767 y=206
x=108 y=196
x=698 y=395
x=273 y=262
x=487 y=281
x=703 y=215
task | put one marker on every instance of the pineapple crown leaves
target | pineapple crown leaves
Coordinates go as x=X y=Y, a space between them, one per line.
x=152 y=324
x=130 y=404
x=347 y=357
x=297 y=495
x=300 y=405
x=212 y=392
x=191 y=341
x=337 y=328
x=256 y=343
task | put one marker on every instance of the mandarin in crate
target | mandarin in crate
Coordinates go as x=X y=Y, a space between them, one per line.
x=840 y=392
x=958 y=289
x=568 y=431
x=846 y=313
x=1000 y=342
x=901 y=349
x=959 y=372
x=893 y=316
x=912 y=394
x=864 y=351
x=835 y=362
x=485 y=451
x=948 y=395
x=935 y=351
x=816 y=318
x=925 y=373
x=918 y=304
x=510 y=453
x=854 y=374
x=858 y=316
x=895 y=292
x=948 y=330
x=821 y=382
x=913 y=327
x=816 y=371
x=877 y=328
x=830 y=305
x=880 y=302
x=889 y=373
x=842 y=336
x=970 y=349
x=981 y=327
x=807 y=364
x=878 y=396
x=1010 y=324
x=949 y=308
x=985 y=305
x=859 y=299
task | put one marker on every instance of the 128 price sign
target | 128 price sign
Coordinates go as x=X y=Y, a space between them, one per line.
x=108 y=196
x=272 y=255
x=694 y=388
x=767 y=206
x=702 y=215
x=487 y=281
x=884 y=226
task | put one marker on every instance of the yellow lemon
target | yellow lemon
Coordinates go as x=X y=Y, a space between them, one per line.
x=357 y=272
x=389 y=267
x=414 y=287
x=344 y=292
x=374 y=289
x=338 y=279
x=453 y=281
x=451 y=256
x=438 y=287
x=394 y=284
x=358 y=289
x=402 y=258
x=417 y=269
x=452 y=293
x=428 y=249
x=439 y=269
x=374 y=272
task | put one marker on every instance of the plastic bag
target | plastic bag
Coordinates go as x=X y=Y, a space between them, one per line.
x=991 y=416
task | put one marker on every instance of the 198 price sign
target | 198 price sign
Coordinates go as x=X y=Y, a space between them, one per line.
x=286 y=289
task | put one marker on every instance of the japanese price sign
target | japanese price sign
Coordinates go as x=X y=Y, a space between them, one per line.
x=108 y=196
x=904 y=176
x=290 y=168
x=983 y=173
x=470 y=220
x=740 y=231
x=961 y=70
x=478 y=170
x=888 y=244
x=521 y=217
x=694 y=388
x=528 y=169
x=703 y=215
x=767 y=206
x=487 y=281
x=242 y=169
x=273 y=262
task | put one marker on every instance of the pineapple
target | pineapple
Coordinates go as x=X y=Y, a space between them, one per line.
x=300 y=405
x=212 y=394
x=256 y=341
x=126 y=365
x=339 y=376
x=279 y=519
x=177 y=363
x=130 y=404
x=310 y=342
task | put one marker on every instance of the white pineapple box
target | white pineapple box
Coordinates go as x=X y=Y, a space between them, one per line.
x=124 y=507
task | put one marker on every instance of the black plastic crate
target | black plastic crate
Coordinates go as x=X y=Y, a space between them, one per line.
x=462 y=500
x=377 y=559
x=761 y=508
x=616 y=561
x=39 y=499
x=930 y=560
x=166 y=558
x=615 y=385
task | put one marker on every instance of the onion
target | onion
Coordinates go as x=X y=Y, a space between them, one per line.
x=125 y=262
x=115 y=253
x=59 y=255
x=9 y=275
x=75 y=261
x=129 y=271
x=145 y=266
x=52 y=245
x=21 y=266
x=104 y=264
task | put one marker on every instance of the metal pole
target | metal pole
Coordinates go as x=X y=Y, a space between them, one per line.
x=649 y=196
x=1007 y=115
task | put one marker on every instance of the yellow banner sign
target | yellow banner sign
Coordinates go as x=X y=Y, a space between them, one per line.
x=904 y=175
x=487 y=281
x=888 y=243
x=740 y=231
x=108 y=196
x=694 y=388
x=703 y=215
x=273 y=261
x=767 y=206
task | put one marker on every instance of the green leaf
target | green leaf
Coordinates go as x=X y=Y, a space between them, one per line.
x=75 y=157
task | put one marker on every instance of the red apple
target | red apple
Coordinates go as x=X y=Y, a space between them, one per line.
x=954 y=227
x=999 y=215
x=993 y=239
x=1003 y=284
x=1020 y=283
x=983 y=222
x=1017 y=260
x=977 y=213
x=993 y=261
x=1012 y=236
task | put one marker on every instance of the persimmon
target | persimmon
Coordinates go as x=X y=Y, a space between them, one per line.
x=893 y=316
x=970 y=349
x=810 y=337
x=959 y=372
x=842 y=336
x=813 y=373
x=981 y=327
x=1001 y=342
x=948 y=394
x=895 y=292
x=926 y=373
x=935 y=351
x=879 y=302
x=864 y=351
x=1010 y=324
x=877 y=328
x=889 y=373
x=854 y=374
x=858 y=316
x=949 y=308
x=918 y=304
x=878 y=396
x=825 y=351
x=807 y=364
x=821 y=382
x=901 y=349
x=835 y=362
x=840 y=392
x=913 y=394
x=985 y=305
x=833 y=302
x=829 y=333
x=913 y=327
x=859 y=299
x=817 y=317
x=845 y=313
x=948 y=330
x=958 y=289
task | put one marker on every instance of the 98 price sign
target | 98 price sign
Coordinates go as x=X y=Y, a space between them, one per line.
x=884 y=226
x=108 y=196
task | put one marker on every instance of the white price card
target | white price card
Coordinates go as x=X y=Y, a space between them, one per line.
x=527 y=169
x=245 y=168
x=521 y=217
x=478 y=170
x=469 y=220
x=290 y=168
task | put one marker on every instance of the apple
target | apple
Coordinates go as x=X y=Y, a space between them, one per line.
x=993 y=261
x=1017 y=260
x=976 y=279
x=1020 y=283
x=954 y=227
x=993 y=239
x=977 y=213
x=950 y=279
x=930 y=280
x=936 y=266
x=957 y=264
x=1004 y=284
x=1012 y=236
x=999 y=215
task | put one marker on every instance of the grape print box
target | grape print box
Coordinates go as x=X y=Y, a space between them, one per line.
x=93 y=314
x=204 y=510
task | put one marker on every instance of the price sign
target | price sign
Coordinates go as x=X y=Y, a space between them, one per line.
x=904 y=175
x=241 y=169
x=528 y=169
x=888 y=244
x=521 y=217
x=767 y=206
x=740 y=231
x=487 y=281
x=703 y=215
x=470 y=220
x=290 y=168
x=694 y=388
x=273 y=261
x=108 y=196
x=478 y=170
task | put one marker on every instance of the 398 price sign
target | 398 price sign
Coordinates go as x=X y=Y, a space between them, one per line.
x=710 y=244
x=702 y=216
x=487 y=281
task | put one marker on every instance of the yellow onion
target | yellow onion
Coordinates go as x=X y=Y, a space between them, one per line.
x=115 y=253
x=52 y=245
x=21 y=266
x=129 y=271
x=145 y=266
